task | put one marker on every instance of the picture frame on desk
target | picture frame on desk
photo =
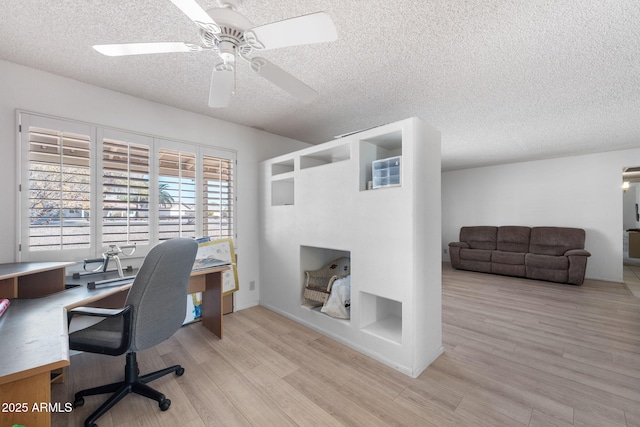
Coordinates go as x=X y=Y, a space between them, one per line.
x=216 y=253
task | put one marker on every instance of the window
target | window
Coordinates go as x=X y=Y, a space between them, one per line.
x=58 y=182
x=147 y=189
x=125 y=192
x=217 y=193
x=176 y=194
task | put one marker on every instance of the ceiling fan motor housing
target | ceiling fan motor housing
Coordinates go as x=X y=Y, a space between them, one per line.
x=231 y=37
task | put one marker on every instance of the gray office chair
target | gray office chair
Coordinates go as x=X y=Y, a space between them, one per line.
x=154 y=310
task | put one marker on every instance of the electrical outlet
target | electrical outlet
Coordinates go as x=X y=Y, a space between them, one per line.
x=252 y=285
x=444 y=251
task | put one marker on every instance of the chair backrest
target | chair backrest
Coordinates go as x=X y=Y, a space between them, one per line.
x=159 y=292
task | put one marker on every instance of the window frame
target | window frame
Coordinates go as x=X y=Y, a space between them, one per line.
x=97 y=134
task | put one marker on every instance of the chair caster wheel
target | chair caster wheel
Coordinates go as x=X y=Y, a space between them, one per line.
x=79 y=401
x=165 y=405
x=180 y=372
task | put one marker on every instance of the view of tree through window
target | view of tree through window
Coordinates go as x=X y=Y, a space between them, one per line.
x=59 y=190
x=177 y=202
x=125 y=192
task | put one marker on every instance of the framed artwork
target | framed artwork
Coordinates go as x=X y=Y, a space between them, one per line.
x=218 y=253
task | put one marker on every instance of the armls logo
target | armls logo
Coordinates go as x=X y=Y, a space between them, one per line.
x=52 y=407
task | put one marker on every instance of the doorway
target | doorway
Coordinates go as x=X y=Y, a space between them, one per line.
x=631 y=227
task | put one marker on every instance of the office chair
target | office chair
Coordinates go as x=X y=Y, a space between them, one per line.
x=153 y=311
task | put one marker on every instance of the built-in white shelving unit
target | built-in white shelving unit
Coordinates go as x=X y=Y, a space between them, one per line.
x=316 y=207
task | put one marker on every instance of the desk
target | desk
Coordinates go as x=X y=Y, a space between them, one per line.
x=35 y=341
x=32 y=279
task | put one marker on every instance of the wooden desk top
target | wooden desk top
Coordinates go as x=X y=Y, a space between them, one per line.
x=34 y=334
x=16 y=269
x=34 y=331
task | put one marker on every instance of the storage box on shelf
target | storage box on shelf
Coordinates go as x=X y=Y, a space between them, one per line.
x=392 y=238
x=387 y=172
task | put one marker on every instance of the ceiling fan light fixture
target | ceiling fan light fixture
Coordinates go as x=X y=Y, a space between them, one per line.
x=227 y=51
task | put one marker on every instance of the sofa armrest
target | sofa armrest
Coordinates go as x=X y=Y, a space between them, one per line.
x=454 y=252
x=577 y=252
x=459 y=245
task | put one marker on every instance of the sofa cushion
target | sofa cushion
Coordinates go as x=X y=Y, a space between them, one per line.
x=475 y=255
x=508 y=269
x=548 y=262
x=480 y=237
x=479 y=266
x=513 y=239
x=555 y=240
x=513 y=258
x=560 y=276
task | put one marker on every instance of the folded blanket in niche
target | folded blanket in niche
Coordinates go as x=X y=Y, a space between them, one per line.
x=339 y=302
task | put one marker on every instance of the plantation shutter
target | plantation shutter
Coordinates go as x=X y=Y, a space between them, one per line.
x=59 y=179
x=84 y=187
x=218 y=196
x=125 y=192
x=177 y=194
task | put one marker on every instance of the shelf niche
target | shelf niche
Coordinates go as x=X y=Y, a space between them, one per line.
x=282 y=192
x=314 y=258
x=325 y=157
x=377 y=148
x=282 y=167
x=381 y=317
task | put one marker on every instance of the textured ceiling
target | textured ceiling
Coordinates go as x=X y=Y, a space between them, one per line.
x=503 y=80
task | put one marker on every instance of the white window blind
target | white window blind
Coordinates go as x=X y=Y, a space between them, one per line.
x=218 y=194
x=177 y=194
x=83 y=187
x=125 y=192
x=59 y=184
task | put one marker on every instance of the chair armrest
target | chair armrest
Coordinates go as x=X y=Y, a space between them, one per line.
x=459 y=245
x=124 y=312
x=577 y=252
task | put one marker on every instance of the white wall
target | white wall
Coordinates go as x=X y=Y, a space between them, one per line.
x=391 y=234
x=40 y=92
x=580 y=191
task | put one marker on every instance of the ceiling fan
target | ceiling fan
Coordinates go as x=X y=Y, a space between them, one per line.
x=225 y=31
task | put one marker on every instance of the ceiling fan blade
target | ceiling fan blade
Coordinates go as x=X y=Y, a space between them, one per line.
x=197 y=14
x=145 y=48
x=284 y=80
x=314 y=28
x=222 y=85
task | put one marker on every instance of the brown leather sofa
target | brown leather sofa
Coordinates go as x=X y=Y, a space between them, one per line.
x=555 y=254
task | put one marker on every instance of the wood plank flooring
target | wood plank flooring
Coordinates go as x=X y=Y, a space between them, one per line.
x=517 y=353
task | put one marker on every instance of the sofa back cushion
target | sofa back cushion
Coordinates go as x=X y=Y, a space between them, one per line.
x=555 y=240
x=480 y=237
x=513 y=239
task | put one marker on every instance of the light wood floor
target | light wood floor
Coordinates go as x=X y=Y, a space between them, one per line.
x=517 y=352
x=631 y=273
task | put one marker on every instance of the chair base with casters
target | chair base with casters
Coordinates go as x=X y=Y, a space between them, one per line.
x=133 y=383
